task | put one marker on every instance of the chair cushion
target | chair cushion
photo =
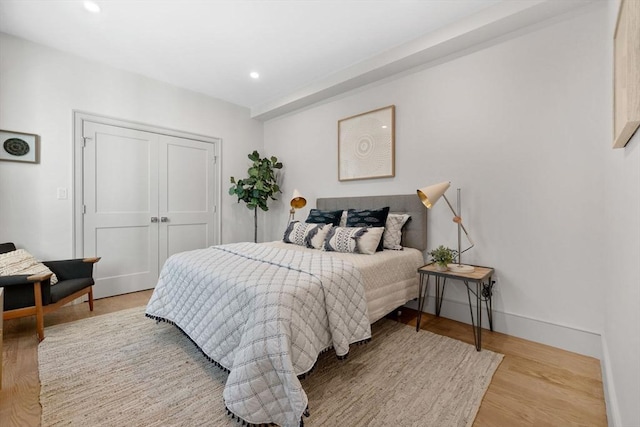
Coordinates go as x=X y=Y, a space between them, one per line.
x=67 y=287
x=21 y=295
x=22 y=262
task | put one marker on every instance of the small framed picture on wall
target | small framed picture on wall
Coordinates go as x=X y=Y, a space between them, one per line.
x=19 y=147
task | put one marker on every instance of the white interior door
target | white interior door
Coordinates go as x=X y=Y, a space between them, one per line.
x=186 y=199
x=120 y=193
x=145 y=196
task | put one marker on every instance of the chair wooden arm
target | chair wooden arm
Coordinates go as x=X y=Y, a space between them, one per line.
x=39 y=277
x=92 y=260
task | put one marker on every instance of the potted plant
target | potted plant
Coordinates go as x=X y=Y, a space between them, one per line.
x=443 y=256
x=258 y=187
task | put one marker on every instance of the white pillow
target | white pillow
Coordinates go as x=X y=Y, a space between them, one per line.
x=22 y=262
x=306 y=234
x=368 y=242
x=393 y=230
x=362 y=240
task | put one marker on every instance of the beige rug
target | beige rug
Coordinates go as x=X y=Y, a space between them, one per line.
x=124 y=369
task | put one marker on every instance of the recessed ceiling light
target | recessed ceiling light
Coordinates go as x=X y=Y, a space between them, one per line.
x=384 y=126
x=254 y=75
x=92 y=7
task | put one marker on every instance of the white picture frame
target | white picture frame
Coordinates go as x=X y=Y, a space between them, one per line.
x=366 y=145
x=19 y=147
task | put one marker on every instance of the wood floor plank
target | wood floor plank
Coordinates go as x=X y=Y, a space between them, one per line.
x=536 y=385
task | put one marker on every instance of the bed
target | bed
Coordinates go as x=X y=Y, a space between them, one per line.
x=264 y=312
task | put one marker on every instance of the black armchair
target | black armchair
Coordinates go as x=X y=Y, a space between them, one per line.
x=29 y=295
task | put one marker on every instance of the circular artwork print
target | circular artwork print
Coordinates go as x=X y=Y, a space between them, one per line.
x=366 y=147
x=16 y=147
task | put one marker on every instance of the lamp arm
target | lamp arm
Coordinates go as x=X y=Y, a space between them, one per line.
x=292 y=213
x=460 y=223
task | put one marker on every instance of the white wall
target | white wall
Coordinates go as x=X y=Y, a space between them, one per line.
x=39 y=89
x=621 y=288
x=520 y=126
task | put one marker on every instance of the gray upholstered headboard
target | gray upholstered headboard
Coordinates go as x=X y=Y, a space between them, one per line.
x=414 y=233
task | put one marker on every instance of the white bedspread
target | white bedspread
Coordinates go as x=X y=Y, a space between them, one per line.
x=263 y=313
x=390 y=277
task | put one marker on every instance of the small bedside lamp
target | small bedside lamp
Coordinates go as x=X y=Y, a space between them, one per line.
x=429 y=196
x=297 y=202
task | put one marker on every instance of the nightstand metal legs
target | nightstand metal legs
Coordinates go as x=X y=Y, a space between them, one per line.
x=440 y=293
x=483 y=292
x=423 y=295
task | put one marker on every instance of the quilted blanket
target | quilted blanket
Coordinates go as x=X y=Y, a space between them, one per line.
x=264 y=314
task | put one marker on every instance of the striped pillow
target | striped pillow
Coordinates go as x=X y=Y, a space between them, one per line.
x=308 y=235
x=343 y=239
x=363 y=240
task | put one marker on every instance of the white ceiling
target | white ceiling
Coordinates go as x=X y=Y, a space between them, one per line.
x=304 y=50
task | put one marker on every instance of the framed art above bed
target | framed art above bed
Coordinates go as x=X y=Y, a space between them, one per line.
x=366 y=145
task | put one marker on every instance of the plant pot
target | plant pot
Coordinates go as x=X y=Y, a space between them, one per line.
x=441 y=267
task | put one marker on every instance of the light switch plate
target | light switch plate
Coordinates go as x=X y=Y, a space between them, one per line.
x=62 y=193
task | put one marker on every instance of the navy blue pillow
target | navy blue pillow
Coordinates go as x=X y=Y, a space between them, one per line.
x=368 y=218
x=317 y=216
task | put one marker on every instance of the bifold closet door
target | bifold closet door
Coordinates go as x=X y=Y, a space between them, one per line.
x=186 y=198
x=120 y=191
x=146 y=197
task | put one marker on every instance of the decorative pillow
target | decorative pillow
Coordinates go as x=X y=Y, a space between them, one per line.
x=393 y=231
x=343 y=219
x=343 y=239
x=22 y=262
x=369 y=241
x=317 y=216
x=309 y=235
x=368 y=218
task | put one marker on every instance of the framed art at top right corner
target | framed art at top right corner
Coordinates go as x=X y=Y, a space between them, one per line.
x=626 y=73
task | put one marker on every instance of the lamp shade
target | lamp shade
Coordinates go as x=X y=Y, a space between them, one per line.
x=431 y=194
x=297 y=201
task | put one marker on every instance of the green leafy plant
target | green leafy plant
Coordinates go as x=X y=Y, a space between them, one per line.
x=443 y=256
x=258 y=187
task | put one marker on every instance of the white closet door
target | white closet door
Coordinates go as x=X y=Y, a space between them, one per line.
x=120 y=193
x=186 y=198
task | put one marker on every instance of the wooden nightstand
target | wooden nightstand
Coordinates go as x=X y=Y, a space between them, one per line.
x=481 y=277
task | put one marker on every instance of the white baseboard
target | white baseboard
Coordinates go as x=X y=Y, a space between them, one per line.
x=561 y=336
x=610 y=397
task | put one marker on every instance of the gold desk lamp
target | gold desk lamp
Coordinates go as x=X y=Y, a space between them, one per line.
x=297 y=202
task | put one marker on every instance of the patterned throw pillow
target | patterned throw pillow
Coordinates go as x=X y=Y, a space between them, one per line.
x=393 y=231
x=317 y=216
x=368 y=218
x=369 y=241
x=343 y=239
x=308 y=235
x=22 y=262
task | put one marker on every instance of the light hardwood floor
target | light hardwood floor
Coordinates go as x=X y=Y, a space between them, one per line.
x=536 y=385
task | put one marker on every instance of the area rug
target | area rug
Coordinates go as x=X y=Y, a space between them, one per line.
x=125 y=369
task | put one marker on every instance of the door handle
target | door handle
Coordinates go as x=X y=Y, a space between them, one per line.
x=154 y=219
x=164 y=219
